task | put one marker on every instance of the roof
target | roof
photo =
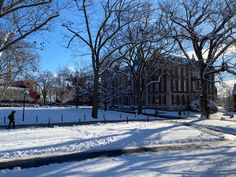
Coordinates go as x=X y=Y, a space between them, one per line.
x=177 y=59
x=234 y=90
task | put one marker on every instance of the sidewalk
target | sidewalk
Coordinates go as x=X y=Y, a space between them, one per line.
x=222 y=126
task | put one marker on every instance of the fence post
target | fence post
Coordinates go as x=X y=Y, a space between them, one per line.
x=104 y=118
x=49 y=121
x=62 y=118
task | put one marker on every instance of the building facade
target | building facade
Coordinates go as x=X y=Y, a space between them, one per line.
x=175 y=90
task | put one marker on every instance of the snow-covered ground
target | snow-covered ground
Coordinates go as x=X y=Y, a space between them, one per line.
x=44 y=115
x=34 y=142
x=211 y=162
x=39 y=142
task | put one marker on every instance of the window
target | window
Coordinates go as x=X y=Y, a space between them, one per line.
x=173 y=70
x=185 y=85
x=153 y=100
x=183 y=100
x=156 y=87
x=177 y=100
x=163 y=85
x=151 y=88
x=163 y=100
x=173 y=85
x=173 y=100
x=179 y=71
x=182 y=72
x=176 y=70
x=179 y=85
x=176 y=84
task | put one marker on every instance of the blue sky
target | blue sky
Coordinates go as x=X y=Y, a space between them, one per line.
x=54 y=53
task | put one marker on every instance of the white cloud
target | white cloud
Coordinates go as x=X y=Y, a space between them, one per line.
x=230 y=51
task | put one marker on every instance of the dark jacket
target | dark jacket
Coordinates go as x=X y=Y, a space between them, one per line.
x=11 y=116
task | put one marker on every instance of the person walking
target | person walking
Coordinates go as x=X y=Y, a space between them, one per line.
x=179 y=113
x=11 y=120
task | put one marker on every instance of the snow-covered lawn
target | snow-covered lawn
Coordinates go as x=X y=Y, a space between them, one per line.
x=43 y=115
x=31 y=142
x=217 y=161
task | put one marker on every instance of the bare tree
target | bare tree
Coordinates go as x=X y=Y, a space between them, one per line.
x=46 y=82
x=20 y=18
x=15 y=62
x=208 y=29
x=97 y=33
x=62 y=85
x=109 y=89
x=79 y=84
x=148 y=56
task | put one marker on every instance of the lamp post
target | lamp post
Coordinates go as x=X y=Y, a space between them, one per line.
x=157 y=102
x=23 y=116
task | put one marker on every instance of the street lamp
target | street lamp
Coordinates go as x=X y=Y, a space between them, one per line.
x=23 y=116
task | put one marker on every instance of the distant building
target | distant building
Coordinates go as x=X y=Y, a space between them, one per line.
x=31 y=86
x=175 y=91
x=15 y=92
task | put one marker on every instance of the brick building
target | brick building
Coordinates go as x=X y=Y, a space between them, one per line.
x=175 y=91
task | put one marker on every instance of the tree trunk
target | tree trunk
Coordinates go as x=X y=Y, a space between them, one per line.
x=95 y=95
x=105 y=105
x=77 y=101
x=44 y=99
x=205 y=112
x=77 y=98
x=140 y=104
x=139 y=98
